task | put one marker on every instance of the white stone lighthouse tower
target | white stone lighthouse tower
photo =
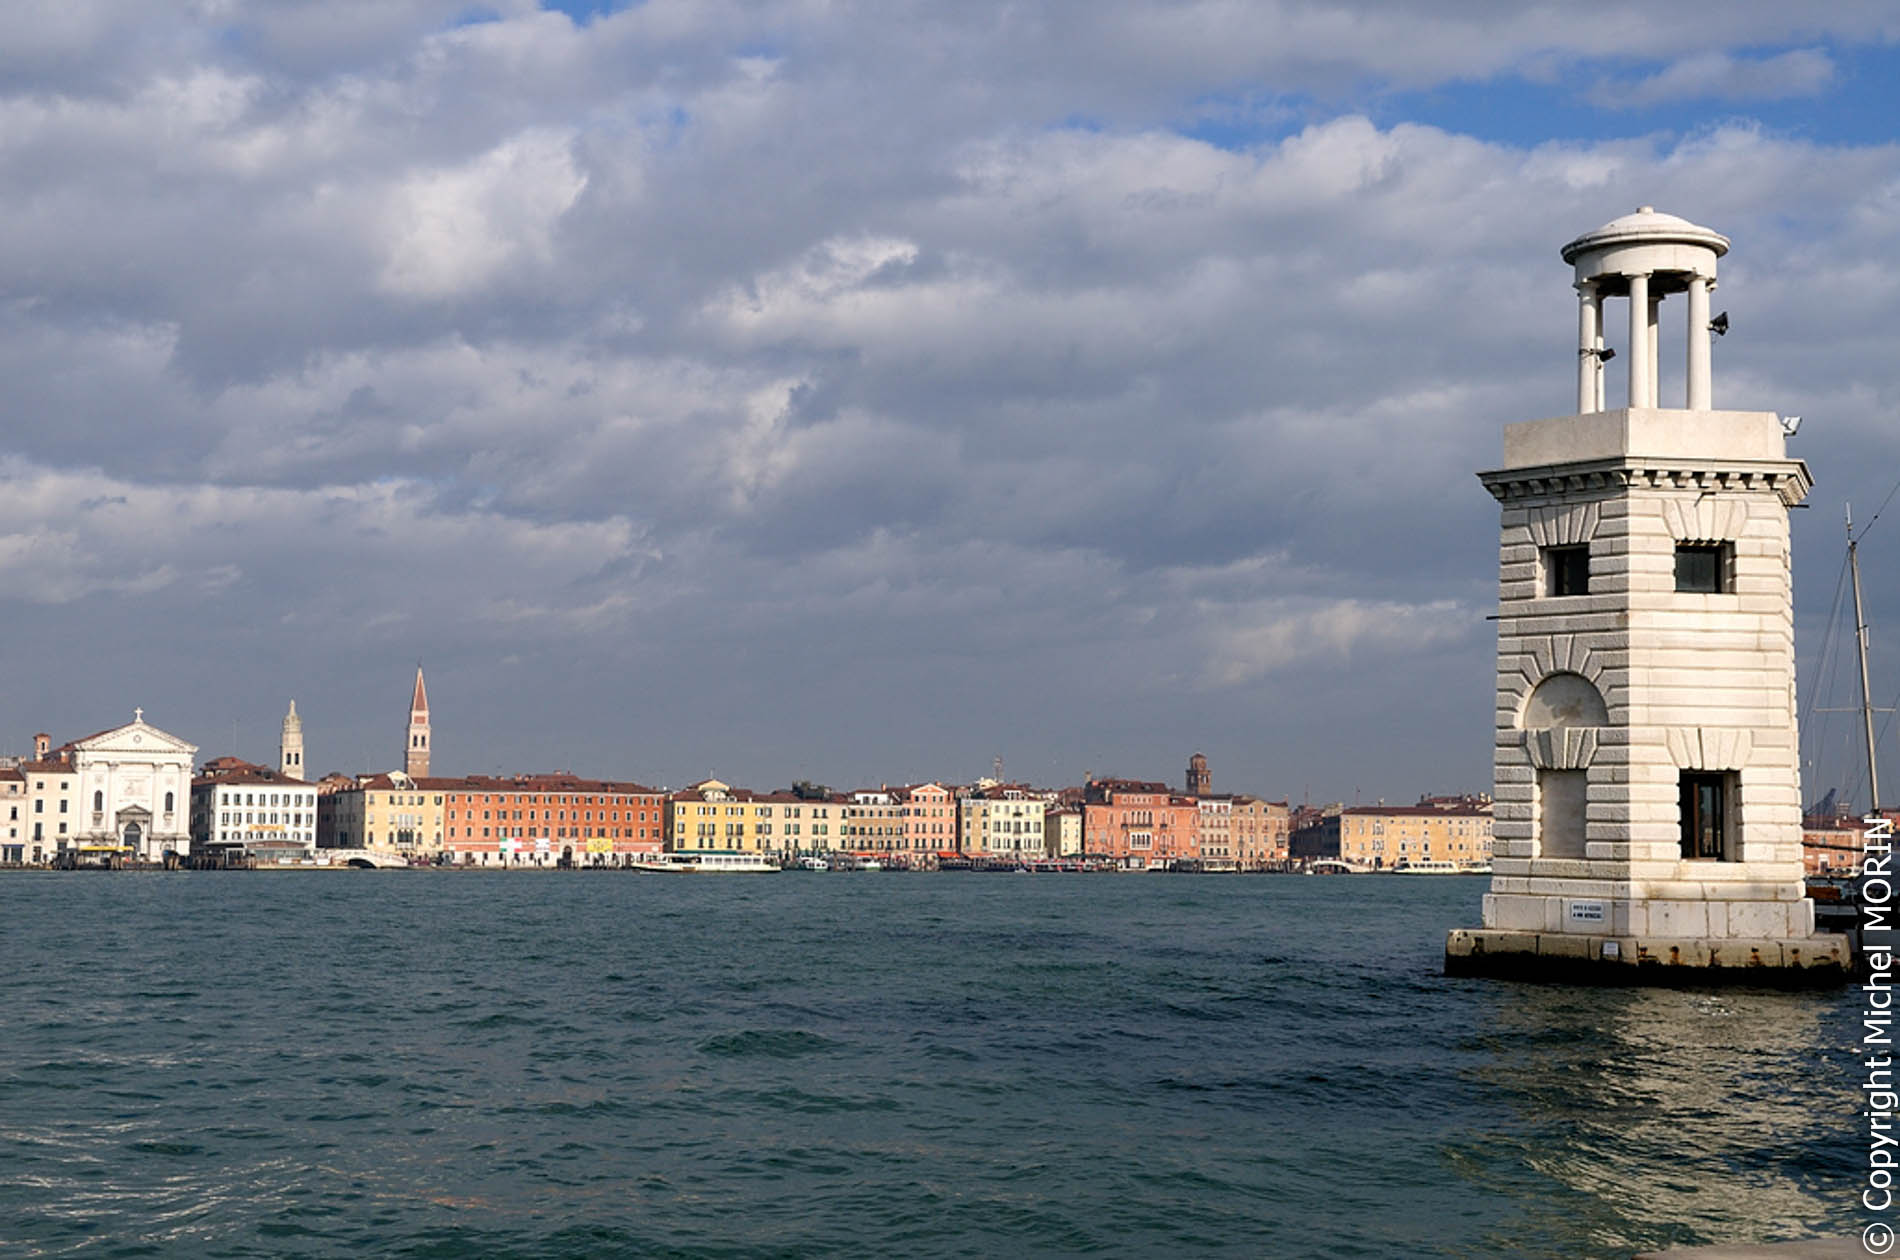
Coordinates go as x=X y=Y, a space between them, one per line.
x=1648 y=823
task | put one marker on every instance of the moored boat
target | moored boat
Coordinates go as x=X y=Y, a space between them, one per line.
x=706 y=862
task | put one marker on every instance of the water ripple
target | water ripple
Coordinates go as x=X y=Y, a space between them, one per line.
x=826 y=1066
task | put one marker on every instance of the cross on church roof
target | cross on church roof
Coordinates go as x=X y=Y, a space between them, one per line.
x=138 y=715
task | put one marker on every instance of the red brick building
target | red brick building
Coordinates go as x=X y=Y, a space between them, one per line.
x=1834 y=844
x=544 y=820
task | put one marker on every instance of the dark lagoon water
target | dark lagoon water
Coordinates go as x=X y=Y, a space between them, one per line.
x=806 y=1065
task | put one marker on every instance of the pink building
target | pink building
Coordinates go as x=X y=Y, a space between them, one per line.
x=1140 y=825
x=929 y=822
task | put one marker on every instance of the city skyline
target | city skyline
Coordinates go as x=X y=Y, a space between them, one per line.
x=779 y=394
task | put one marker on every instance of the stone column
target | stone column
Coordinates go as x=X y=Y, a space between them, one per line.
x=1701 y=388
x=1641 y=368
x=1589 y=354
x=1602 y=356
x=1655 y=352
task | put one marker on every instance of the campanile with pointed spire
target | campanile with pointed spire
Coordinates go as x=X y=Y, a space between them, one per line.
x=416 y=755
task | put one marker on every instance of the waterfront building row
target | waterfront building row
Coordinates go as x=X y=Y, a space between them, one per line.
x=129 y=794
x=1439 y=829
x=125 y=790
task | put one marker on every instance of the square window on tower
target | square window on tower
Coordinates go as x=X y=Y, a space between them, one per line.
x=1703 y=568
x=1566 y=571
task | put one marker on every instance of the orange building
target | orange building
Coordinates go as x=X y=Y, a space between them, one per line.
x=550 y=820
x=1139 y=825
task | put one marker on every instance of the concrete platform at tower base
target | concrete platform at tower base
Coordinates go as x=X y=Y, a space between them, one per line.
x=1815 y=962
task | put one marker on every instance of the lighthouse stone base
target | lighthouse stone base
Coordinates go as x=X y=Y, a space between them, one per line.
x=1814 y=962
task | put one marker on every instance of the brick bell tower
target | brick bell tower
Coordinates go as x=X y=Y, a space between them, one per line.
x=416 y=756
x=1199 y=781
x=1648 y=824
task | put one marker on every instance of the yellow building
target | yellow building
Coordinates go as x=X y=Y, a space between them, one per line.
x=1455 y=829
x=1062 y=832
x=715 y=815
x=390 y=811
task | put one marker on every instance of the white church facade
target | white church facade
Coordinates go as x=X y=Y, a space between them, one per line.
x=133 y=790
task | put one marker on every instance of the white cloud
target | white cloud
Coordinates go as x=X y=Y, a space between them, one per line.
x=1723 y=77
x=1271 y=637
x=69 y=534
x=449 y=232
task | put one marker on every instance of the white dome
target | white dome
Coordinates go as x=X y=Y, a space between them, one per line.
x=1647 y=226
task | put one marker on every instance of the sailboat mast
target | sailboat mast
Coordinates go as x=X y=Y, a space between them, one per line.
x=1860 y=640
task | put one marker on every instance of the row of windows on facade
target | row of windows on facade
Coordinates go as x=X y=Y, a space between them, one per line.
x=853 y=811
x=252 y=818
x=234 y=799
x=574 y=833
x=1701 y=569
x=581 y=815
x=98 y=804
x=538 y=798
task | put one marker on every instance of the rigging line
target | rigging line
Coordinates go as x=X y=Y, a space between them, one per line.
x=1827 y=641
x=1881 y=732
x=1848 y=755
x=1827 y=666
x=1877 y=511
x=1847 y=733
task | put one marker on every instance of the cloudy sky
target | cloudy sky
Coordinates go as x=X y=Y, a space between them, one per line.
x=863 y=390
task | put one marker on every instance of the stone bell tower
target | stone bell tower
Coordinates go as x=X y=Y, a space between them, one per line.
x=1648 y=823
x=290 y=746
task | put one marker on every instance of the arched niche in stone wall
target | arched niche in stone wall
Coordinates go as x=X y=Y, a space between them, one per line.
x=1564 y=700
x=1560 y=720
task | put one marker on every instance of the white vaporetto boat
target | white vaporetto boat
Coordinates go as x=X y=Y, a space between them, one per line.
x=707 y=862
x=1438 y=866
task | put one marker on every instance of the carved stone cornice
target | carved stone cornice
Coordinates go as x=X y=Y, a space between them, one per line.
x=1788 y=479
